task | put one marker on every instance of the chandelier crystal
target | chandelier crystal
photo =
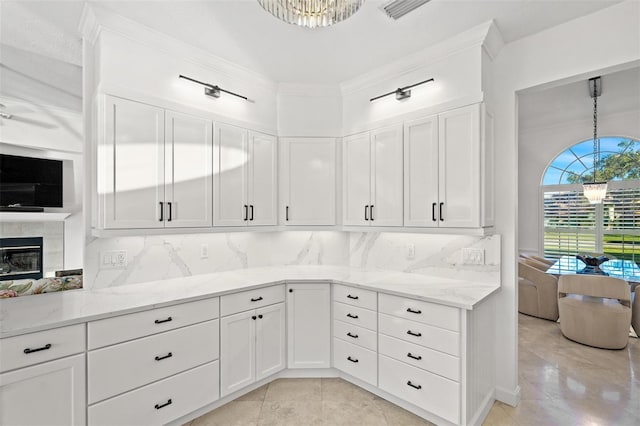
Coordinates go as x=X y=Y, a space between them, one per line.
x=311 y=13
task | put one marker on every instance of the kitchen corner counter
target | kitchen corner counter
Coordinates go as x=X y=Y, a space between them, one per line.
x=29 y=314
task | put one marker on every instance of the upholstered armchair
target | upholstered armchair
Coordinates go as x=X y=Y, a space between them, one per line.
x=537 y=292
x=544 y=260
x=635 y=311
x=535 y=263
x=595 y=310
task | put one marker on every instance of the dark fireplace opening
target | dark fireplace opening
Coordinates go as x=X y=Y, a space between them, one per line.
x=20 y=258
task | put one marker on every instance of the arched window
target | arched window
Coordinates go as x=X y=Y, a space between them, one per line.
x=572 y=225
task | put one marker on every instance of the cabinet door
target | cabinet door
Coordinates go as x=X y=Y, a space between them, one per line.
x=270 y=340
x=188 y=171
x=308 y=176
x=231 y=157
x=356 y=174
x=386 y=177
x=51 y=393
x=421 y=172
x=309 y=325
x=262 y=179
x=131 y=164
x=459 y=183
x=237 y=351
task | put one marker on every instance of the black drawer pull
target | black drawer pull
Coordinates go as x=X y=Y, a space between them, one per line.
x=414 y=334
x=355 y=336
x=257 y=299
x=164 y=320
x=351 y=359
x=414 y=312
x=433 y=212
x=169 y=205
x=416 y=357
x=441 y=217
x=260 y=316
x=44 y=348
x=160 y=358
x=352 y=316
x=352 y=297
x=414 y=386
x=254 y=317
x=163 y=405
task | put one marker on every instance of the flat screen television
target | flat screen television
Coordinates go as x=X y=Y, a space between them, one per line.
x=28 y=183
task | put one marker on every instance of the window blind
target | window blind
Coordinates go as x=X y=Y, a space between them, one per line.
x=569 y=224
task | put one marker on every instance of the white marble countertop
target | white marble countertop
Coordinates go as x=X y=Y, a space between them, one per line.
x=34 y=313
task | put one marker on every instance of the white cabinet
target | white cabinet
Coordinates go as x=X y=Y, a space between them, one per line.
x=154 y=167
x=309 y=325
x=372 y=174
x=447 y=170
x=252 y=346
x=50 y=393
x=308 y=181
x=245 y=177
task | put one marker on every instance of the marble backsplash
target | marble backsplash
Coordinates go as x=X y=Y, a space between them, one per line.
x=173 y=256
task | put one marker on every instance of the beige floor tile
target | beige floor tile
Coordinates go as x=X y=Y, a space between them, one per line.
x=396 y=416
x=291 y=413
x=235 y=413
x=255 y=395
x=499 y=415
x=335 y=389
x=352 y=413
x=294 y=390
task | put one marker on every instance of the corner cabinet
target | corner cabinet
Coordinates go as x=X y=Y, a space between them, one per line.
x=372 y=178
x=448 y=170
x=245 y=177
x=154 y=167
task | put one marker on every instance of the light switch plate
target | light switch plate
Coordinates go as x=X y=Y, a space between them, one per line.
x=473 y=256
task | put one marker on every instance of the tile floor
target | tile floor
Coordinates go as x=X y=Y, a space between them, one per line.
x=562 y=383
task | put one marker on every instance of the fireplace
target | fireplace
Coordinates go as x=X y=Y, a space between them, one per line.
x=20 y=258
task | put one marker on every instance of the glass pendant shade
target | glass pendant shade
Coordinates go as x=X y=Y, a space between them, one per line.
x=311 y=13
x=595 y=191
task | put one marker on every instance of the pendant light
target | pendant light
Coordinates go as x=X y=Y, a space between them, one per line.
x=595 y=191
x=311 y=13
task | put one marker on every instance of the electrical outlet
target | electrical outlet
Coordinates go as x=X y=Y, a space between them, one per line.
x=411 y=251
x=113 y=259
x=473 y=256
x=204 y=251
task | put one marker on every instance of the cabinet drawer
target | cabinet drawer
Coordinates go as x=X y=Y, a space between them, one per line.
x=187 y=392
x=436 y=362
x=34 y=348
x=356 y=361
x=251 y=299
x=355 y=296
x=422 y=334
x=122 y=367
x=417 y=310
x=357 y=335
x=354 y=315
x=426 y=390
x=132 y=326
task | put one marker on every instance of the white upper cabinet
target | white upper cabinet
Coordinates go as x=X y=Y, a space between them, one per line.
x=155 y=167
x=447 y=173
x=244 y=177
x=372 y=173
x=308 y=181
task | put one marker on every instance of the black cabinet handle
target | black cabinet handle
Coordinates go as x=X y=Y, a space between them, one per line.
x=355 y=336
x=163 y=405
x=352 y=316
x=251 y=207
x=366 y=217
x=286 y=216
x=290 y=290
x=260 y=316
x=352 y=297
x=433 y=212
x=352 y=359
x=414 y=386
x=246 y=212
x=169 y=205
x=416 y=357
x=441 y=217
x=414 y=334
x=371 y=213
x=160 y=358
x=161 y=211
x=164 y=320
x=43 y=348
x=257 y=299
x=414 y=311
x=254 y=317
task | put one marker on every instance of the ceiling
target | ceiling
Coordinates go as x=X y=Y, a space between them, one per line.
x=241 y=32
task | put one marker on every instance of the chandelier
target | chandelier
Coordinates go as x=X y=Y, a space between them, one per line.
x=595 y=191
x=311 y=13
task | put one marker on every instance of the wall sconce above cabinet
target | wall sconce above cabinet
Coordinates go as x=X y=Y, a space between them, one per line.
x=402 y=92
x=211 y=89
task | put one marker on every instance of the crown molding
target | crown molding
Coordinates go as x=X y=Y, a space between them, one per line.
x=474 y=37
x=493 y=42
x=96 y=19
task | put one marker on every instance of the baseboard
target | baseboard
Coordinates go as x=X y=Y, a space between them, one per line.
x=509 y=397
x=485 y=407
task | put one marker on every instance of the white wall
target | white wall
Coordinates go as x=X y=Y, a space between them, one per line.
x=572 y=51
x=310 y=111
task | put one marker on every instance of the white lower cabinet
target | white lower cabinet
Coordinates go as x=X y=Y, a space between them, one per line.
x=356 y=361
x=50 y=393
x=252 y=346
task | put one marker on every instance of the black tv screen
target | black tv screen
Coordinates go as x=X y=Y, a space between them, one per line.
x=30 y=182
